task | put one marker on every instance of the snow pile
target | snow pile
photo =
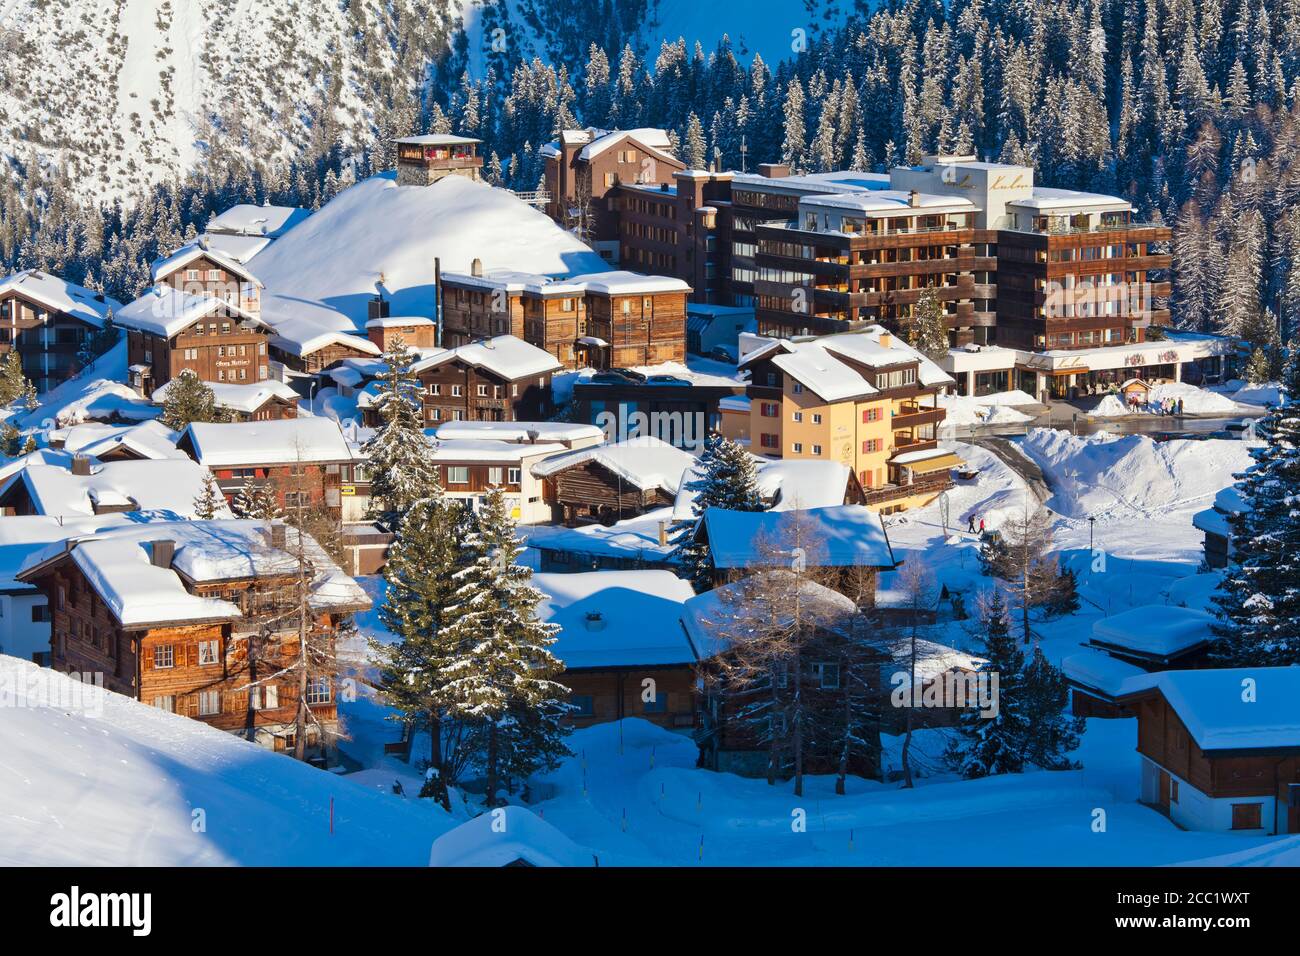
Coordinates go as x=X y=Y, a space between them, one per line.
x=964 y=411
x=114 y=782
x=1013 y=398
x=380 y=237
x=1265 y=393
x=1196 y=401
x=1101 y=473
x=1111 y=406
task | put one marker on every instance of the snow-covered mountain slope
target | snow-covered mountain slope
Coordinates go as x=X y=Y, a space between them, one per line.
x=377 y=236
x=129 y=92
x=119 y=783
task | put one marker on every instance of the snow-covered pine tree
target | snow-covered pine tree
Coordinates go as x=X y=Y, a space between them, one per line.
x=1259 y=600
x=189 y=399
x=503 y=675
x=420 y=577
x=990 y=745
x=1051 y=733
x=13 y=383
x=399 y=456
x=256 y=499
x=727 y=478
x=927 y=332
x=209 y=501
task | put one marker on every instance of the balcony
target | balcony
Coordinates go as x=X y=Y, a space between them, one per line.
x=911 y=415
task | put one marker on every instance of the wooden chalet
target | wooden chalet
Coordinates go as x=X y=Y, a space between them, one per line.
x=165 y=612
x=468 y=468
x=423 y=160
x=265 y=401
x=169 y=330
x=596 y=320
x=622 y=646
x=46 y=320
x=320 y=351
x=302 y=459
x=1147 y=639
x=1220 y=748
x=609 y=483
x=845 y=543
x=198 y=269
x=501 y=379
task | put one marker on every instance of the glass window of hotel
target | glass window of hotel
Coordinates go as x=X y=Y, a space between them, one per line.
x=798 y=416
x=798 y=448
x=816 y=449
x=494 y=475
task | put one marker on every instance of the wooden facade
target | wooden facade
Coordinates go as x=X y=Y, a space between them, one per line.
x=604 y=694
x=456 y=390
x=218 y=277
x=641 y=329
x=588 y=491
x=46 y=339
x=318 y=359
x=199 y=669
x=222 y=346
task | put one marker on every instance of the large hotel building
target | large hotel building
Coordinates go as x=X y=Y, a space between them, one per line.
x=1050 y=291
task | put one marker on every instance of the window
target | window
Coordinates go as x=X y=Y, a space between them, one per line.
x=456 y=391
x=769 y=409
x=435 y=389
x=583 y=705
x=482 y=391
x=265 y=698
x=40 y=613
x=1173 y=790
x=214 y=275
x=816 y=419
x=768 y=441
x=798 y=416
x=797 y=448
x=798 y=388
x=609 y=180
x=458 y=475
x=494 y=475
x=191 y=275
x=827 y=675
x=165 y=702
x=816 y=449
x=871 y=446
x=513 y=475
x=164 y=655
x=209 y=702
x=318 y=690
x=207 y=652
x=870 y=415
x=1247 y=816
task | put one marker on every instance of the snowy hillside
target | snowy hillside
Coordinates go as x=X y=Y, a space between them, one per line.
x=380 y=236
x=120 y=783
x=127 y=92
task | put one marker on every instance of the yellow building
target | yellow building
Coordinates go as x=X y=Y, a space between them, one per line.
x=866 y=399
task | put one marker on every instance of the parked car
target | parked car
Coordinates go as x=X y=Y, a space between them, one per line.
x=666 y=380
x=723 y=353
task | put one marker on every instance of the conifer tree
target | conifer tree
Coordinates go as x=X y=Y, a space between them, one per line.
x=13 y=383
x=420 y=577
x=256 y=499
x=927 y=332
x=727 y=477
x=209 y=501
x=1259 y=600
x=503 y=675
x=399 y=456
x=188 y=399
x=991 y=745
x=1050 y=733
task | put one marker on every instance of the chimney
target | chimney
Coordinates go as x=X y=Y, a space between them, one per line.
x=377 y=308
x=886 y=340
x=277 y=535
x=774 y=170
x=594 y=621
x=913 y=198
x=476 y=268
x=161 y=553
x=663 y=534
x=81 y=465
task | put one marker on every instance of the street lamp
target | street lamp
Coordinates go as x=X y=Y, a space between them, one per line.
x=1091 y=521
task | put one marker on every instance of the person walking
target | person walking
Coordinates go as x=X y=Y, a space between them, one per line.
x=1180 y=408
x=981 y=525
x=970 y=527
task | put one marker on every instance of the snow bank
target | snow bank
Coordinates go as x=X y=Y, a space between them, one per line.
x=1265 y=393
x=1111 y=406
x=1102 y=473
x=114 y=782
x=1196 y=401
x=964 y=411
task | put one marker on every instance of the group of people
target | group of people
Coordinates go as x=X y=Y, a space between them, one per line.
x=970 y=526
x=1166 y=406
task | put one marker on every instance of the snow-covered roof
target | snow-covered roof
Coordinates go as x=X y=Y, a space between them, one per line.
x=165 y=487
x=886 y=202
x=199 y=249
x=653 y=140
x=246 y=397
x=1155 y=630
x=118 y=564
x=61 y=295
x=645 y=463
x=610 y=282
x=1094 y=670
x=287 y=441
x=167 y=311
x=297 y=339
x=488 y=449
x=616 y=618
x=836 y=536
x=1045 y=197
x=376 y=237
x=837 y=181
x=152 y=440
x=398 y=322
x=816 y=362
x=786 y=483
x=247 y=219
x=504 y=836
x=519 y=431
x=1218 y=713
x=632 y=538
x=507 y=356
x=438 y=139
